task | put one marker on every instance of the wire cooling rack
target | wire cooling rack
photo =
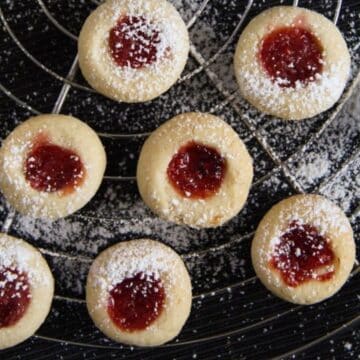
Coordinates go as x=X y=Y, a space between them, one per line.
x=233 y=316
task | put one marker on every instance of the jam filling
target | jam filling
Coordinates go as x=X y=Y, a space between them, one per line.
x=196 y=171
x=50 y=168
x=136 y=302
x=134 y=42
x=302 y=254
x=14 y=296
x=291 y=54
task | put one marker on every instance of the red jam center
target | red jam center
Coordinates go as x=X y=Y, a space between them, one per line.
x=134 y=42
x=291 y=54
x=303 y=254
x=196 y=171
x=50 y=168
x=136 y=302
x=14 y=296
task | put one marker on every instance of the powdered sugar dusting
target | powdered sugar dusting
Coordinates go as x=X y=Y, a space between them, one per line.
x=14 y=254
x=316 y=167
x=270 y=93
x=302 y=254
x=166 y=33
x=324 y=215
x=130 y=258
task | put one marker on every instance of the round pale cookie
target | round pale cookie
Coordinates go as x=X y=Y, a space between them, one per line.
x=51 y=166
x=303 y=250
x=195 y=170
x=133 y=50
x=138 y=292
x=26 y=290
x=291 y=62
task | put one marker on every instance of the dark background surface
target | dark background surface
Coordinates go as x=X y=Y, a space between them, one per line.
x=233 y=316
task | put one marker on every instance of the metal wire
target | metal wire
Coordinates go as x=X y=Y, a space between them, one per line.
x=229 y=100
x=231 y=332
x=74 y=37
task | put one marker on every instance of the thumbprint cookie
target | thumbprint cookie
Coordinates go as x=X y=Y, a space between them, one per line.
x=138 y=292
x=303 y=250
x=291 y=62
x=51 y=166
x=26 y=290
x=133 y=50
x=195 y=170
